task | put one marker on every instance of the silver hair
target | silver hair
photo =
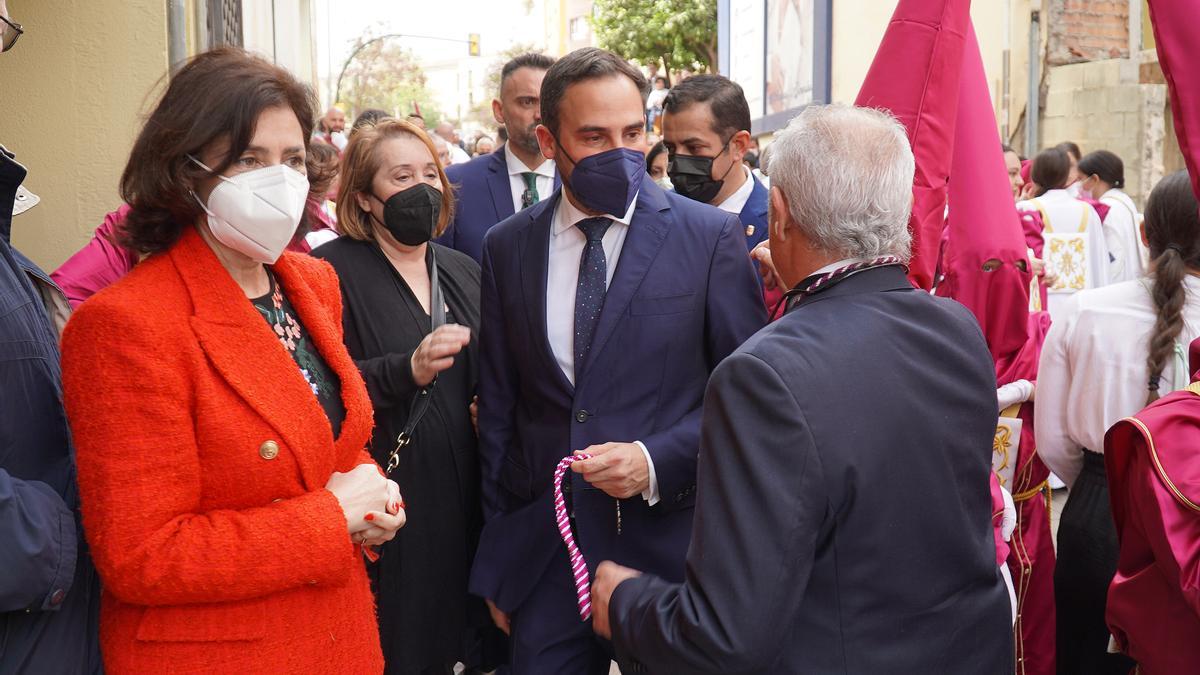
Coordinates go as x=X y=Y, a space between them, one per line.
x=847 y=173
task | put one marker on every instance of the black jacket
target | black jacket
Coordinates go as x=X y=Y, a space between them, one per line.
x=843 y=513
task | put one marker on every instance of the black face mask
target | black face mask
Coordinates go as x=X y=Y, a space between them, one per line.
x=692 y=176
x=411 y=214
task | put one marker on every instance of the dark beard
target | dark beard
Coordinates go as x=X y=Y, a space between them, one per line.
x=527 y=141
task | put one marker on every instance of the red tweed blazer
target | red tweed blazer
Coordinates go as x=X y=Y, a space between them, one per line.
x=202 y=458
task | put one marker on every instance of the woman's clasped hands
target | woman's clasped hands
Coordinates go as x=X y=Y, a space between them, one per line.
x=372 y=504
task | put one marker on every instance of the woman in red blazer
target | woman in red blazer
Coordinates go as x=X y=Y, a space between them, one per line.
x=220 y=424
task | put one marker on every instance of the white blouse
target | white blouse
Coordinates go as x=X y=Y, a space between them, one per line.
x=1093 y=368
x=1122 y=237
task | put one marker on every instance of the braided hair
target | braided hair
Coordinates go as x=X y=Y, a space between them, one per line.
x=1173 y=230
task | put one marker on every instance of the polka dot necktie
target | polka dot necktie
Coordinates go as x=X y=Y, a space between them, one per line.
x=589 y=294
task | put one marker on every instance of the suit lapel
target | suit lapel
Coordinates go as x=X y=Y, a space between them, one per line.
x=500 y=186
x=324 y=329
x=245 y=352
x=647 y=231
x=535 y=253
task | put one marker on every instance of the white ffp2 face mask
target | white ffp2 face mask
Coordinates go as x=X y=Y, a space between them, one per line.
x=256 y=213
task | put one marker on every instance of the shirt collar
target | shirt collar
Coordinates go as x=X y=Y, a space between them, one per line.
x=836 y=266
x=516 y=167
x=735 y=202
x=568 y=215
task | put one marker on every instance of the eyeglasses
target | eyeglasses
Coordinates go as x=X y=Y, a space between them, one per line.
x=9 y=37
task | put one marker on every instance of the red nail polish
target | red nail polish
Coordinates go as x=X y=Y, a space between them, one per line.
x=370 y=516
x=402 y=504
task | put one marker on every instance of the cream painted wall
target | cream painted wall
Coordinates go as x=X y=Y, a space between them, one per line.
x=71 y=95
x=858 y=27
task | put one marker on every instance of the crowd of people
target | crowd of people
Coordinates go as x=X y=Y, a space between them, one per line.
x=621 y=385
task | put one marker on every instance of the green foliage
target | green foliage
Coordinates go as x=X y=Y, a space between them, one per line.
x=679 y=34
x=387 y=76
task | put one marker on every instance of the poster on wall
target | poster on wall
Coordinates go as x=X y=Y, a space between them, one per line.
x=779 y=51
x=747 y=37
x=789 y=54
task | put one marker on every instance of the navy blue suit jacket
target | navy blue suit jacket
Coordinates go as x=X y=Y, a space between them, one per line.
x=683 y=296
x=484 y=197
x=49 y=591
x=843 y=515
x=754 y=214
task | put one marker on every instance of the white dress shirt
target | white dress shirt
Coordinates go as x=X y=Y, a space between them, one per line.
x=545 y=178
x=1093 y=368
x=1063 y=214
x=1122 y=237
x=562 y=279
x=737 y=201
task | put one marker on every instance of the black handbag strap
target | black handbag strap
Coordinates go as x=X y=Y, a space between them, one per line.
x=423 y=398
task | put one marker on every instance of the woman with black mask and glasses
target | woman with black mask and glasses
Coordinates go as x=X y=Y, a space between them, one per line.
x=410 y=311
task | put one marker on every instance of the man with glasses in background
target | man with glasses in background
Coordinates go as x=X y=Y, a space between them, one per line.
x=49 y=592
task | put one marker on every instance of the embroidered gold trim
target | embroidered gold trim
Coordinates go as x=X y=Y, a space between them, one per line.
x=1162 y=473
x=1030 y=493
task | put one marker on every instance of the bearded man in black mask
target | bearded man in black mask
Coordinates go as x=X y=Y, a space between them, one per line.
x=604 y=308
x=706 y=128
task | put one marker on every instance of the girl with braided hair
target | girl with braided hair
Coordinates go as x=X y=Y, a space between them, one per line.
x=1113 y=350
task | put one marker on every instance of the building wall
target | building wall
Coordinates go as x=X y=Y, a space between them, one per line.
x=1104 y=104
x=859 y=25
x=74 y=89
x=1088 y=30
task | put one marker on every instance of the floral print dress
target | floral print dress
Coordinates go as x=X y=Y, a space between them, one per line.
x=281 y=318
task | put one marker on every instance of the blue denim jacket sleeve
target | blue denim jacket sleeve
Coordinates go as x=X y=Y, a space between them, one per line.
x=40 y=546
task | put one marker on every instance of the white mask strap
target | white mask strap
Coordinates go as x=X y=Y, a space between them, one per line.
x=202 y=165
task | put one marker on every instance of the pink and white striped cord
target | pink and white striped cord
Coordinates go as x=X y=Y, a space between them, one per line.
x=817 y=284
x=579 y=570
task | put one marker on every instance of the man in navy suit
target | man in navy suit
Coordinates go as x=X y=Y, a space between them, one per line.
x=494 y=186
x=843 y=516
x=604 y=309
x=706 y=128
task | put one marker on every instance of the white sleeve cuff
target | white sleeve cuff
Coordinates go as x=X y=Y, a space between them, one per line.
x=1014 y=392
x=650 y=494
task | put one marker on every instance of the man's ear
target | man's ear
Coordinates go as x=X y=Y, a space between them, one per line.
x=497 y=112
x=739 y=145
x=1142 y=232
x=546 y=141
x=778 y=214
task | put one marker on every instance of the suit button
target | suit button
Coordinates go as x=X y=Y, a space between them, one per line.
x=582 y=416
x=268 y=450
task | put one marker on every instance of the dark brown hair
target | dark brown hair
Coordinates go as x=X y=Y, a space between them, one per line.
x=1173 y=230
x=726 y=101
x=322 y=165
x=218 y=96
x=1051 y=169
x=589 y=63
x=1071 y=148
x=532 y=60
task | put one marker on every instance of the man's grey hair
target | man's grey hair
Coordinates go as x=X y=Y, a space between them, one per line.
x=847 y=173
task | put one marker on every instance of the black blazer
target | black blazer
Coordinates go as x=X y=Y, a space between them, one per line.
x=843 y=513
